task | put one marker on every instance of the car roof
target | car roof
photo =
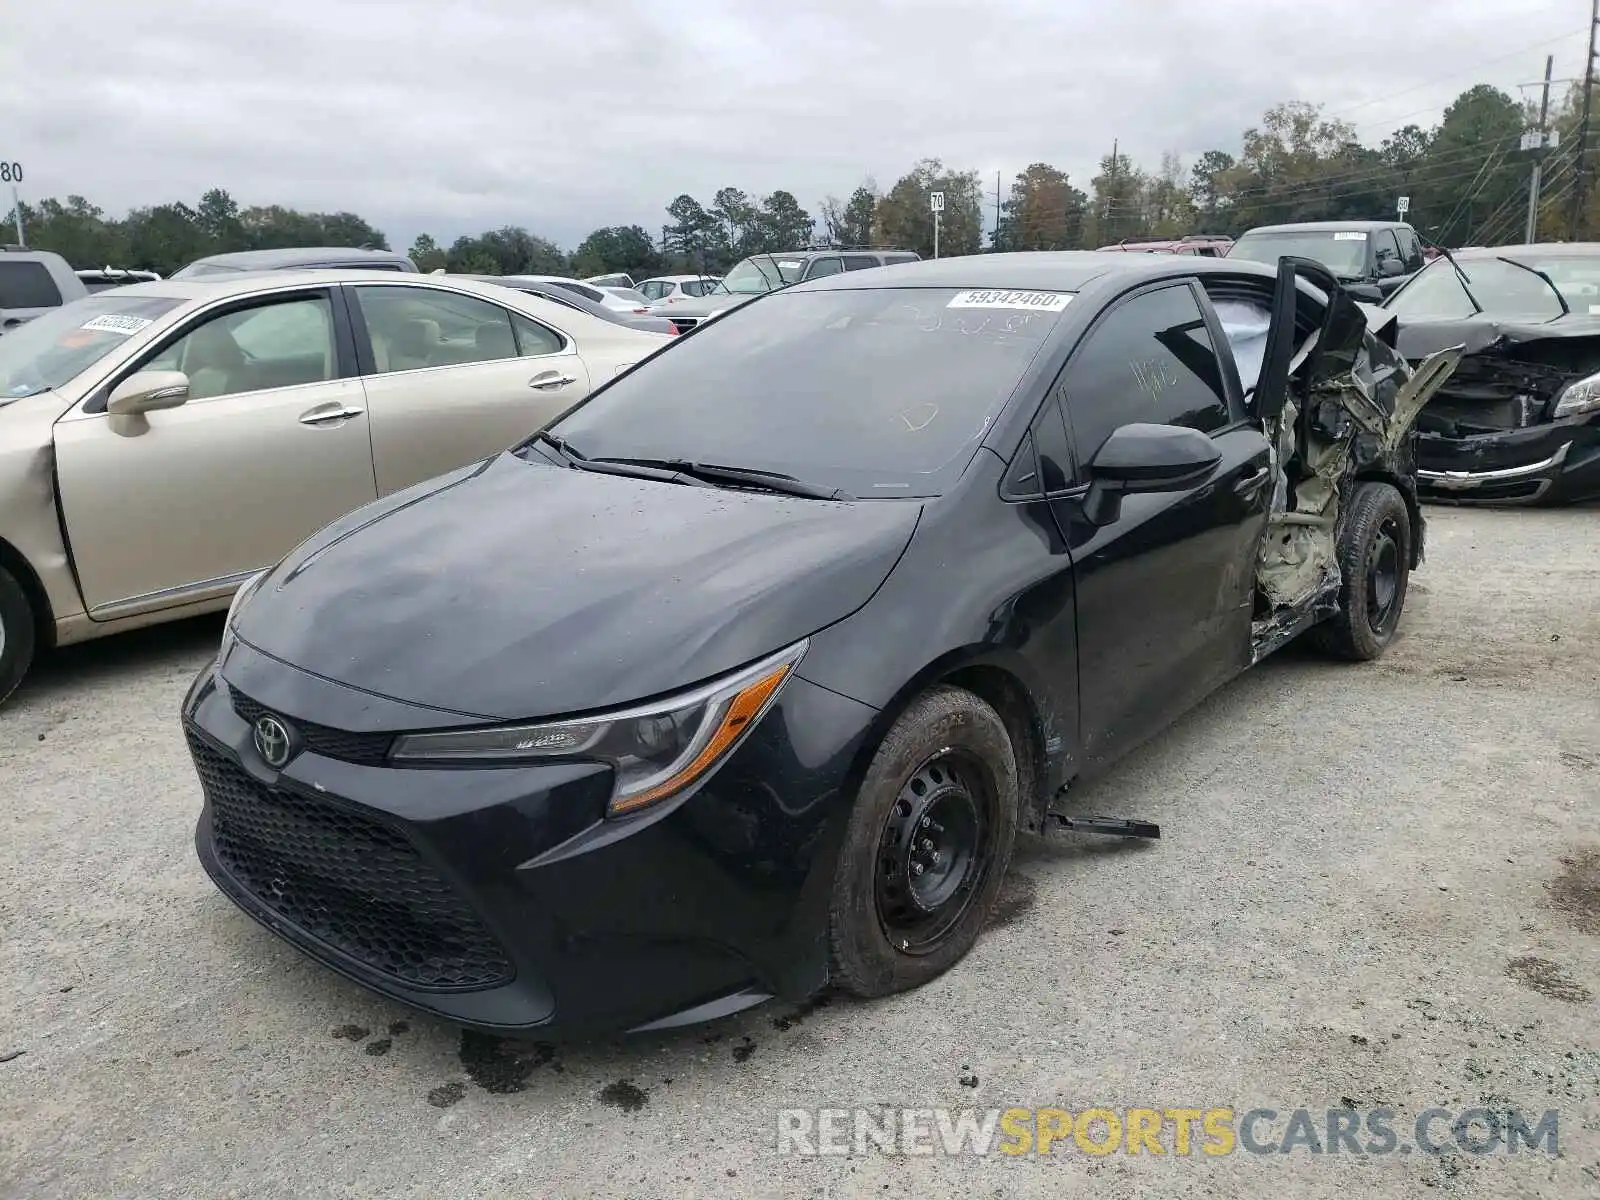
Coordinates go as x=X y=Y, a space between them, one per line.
x=1535 y=250
x=244 y=283
x=1325 y=226
x=555 y=279
x=1041 y=270
x=818 y=253
x=675 y=278
x=260 y=259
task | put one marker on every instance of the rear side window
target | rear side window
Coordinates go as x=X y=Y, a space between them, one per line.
x=27 y=285
x=587 y=292
x=1150 y=360
x=698 y=287
x=860 y=262
x=891 y=259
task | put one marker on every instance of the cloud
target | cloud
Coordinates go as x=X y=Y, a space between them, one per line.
x=561 y=115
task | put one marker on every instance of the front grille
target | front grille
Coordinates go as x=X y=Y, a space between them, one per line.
x=348 y=881
x=368 y=749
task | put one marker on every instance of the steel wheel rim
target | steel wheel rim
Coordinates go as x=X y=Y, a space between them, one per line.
x=932 y=853
x=1383 y=578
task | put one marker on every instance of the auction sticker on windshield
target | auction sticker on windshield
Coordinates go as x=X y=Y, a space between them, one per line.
x=1349 y=235
x=112 y=323
x=1032 y=301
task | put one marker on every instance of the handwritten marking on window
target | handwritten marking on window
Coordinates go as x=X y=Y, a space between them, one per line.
x=1154 y=376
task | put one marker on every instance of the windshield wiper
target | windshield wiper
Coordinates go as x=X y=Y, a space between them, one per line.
x=640 y=469
x=1566 y=309
x=1466 y=280
x=770 y=481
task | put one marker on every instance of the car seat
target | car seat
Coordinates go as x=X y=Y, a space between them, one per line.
x=214 y=363
x=494 y=340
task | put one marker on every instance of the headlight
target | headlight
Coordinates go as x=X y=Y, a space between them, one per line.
x=246 y=590
x=656 y=750
x=1580 y=397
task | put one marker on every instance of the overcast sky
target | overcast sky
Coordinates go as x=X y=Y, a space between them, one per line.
x=562 y=115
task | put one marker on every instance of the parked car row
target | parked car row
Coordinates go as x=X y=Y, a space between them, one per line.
x=576 y=676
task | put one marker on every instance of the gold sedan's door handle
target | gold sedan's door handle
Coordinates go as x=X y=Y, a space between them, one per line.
x=330 y=414
x=549 y=381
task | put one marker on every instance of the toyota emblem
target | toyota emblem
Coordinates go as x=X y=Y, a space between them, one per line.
x=273 y=741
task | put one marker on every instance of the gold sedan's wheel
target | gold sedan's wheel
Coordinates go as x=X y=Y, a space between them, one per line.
x=16 y=634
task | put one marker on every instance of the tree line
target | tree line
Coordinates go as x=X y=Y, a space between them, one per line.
x=1466 y=180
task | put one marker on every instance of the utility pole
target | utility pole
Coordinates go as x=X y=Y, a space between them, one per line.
x=1578 y=226
x=997 y=200
x=1106 y=223
x=16 y=212
x=1539 y=153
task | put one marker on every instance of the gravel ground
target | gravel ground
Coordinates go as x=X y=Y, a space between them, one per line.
x=1377 y=885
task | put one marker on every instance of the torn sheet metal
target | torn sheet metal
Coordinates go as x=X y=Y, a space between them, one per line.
x=1350 y=414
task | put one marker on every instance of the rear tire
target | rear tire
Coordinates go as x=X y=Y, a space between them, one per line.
x=1375 y=562
x=927 y=846
x=16 y=634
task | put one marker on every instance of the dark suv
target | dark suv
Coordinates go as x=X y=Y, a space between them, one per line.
x=763 y=273
x=1371 y=258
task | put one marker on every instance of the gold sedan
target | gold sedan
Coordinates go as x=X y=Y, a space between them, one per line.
x=161 y=443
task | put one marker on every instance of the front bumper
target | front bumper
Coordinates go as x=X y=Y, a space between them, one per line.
x=502 y=898
x=1540 y=464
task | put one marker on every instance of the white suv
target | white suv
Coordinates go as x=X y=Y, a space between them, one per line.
x=672 y=289
x=33 y=282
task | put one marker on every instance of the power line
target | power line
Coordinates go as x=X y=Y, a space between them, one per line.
x=1460 y=72
x=1474 y=189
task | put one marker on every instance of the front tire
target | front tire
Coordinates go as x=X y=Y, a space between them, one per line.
x=16 y=634
x=1375 y=563
x=927 y=846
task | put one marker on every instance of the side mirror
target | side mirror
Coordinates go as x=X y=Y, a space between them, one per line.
x=148 y=391
x=1146 y=458
x=1390 y=267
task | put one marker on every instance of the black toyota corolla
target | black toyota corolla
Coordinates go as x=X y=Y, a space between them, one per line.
x=741 y=678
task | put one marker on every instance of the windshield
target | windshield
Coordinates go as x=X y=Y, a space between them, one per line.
x=46 y=352
x=1342 y=251
x=880 y=393
x=761 y=273
x=1504 y=289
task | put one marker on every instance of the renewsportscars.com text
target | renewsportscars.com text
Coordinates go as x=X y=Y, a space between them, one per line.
x=1212 y=1132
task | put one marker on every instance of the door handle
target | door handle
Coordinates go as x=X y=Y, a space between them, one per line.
x=1251 y=482
x=326 y=415
x=549 y=382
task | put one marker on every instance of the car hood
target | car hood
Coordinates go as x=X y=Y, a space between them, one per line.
x=516 y=589
x=1474 y=334
x=1511 y=369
